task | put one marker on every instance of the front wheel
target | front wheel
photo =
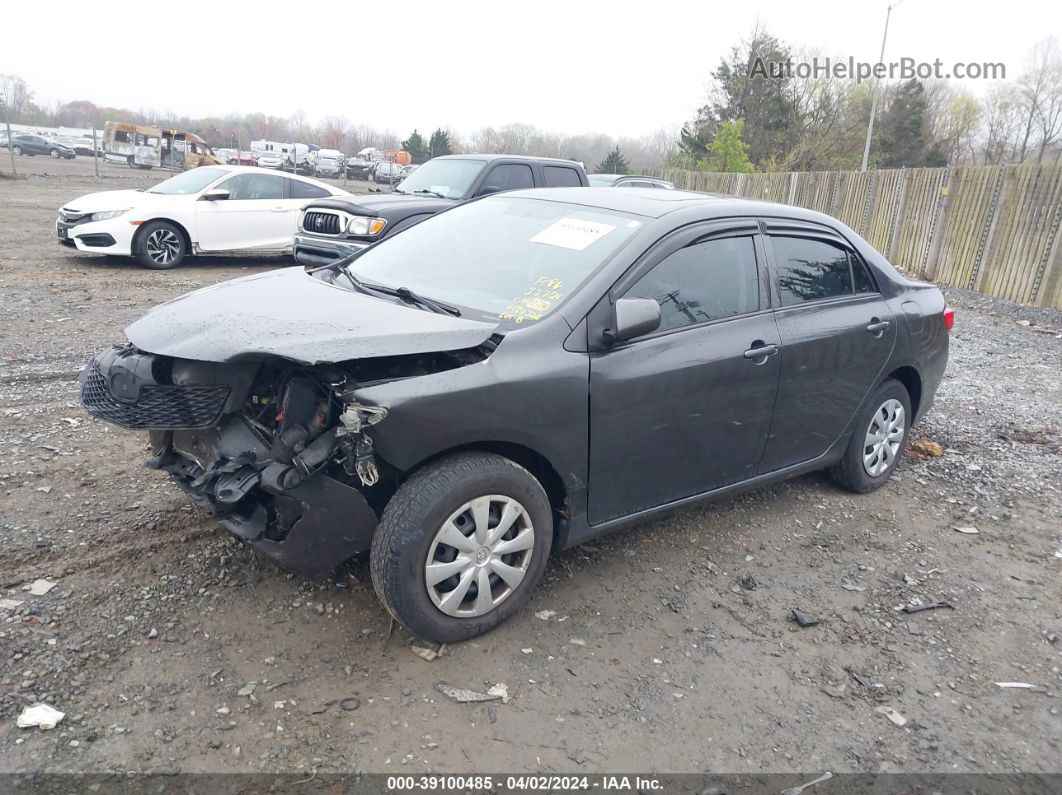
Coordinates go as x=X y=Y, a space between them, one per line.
x=54 y=153
x=160 y=246
x=461 y=545
x=878 y=441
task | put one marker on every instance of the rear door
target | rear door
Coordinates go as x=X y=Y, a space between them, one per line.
x=255 y=216
x=685 y=409
x=837 y=335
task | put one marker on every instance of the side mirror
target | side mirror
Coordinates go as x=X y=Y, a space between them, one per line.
x=486 y=190
x=215 y=195
x=633 y=317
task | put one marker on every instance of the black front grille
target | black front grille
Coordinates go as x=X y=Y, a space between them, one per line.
x=321 y=223
x=160 y=407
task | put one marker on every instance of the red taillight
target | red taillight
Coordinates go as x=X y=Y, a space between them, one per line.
x=949 y=317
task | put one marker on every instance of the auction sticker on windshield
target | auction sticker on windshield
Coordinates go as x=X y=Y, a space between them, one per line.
x=573 y=233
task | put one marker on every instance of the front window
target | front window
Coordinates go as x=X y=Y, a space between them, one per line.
x=254 y=187
x=450 y=179
x=511 y=259
x=189 y=182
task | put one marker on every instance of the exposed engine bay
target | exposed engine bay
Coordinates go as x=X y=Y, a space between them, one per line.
x=281 y=452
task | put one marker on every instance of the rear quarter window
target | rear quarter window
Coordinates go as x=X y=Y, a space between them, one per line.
x=561 y=177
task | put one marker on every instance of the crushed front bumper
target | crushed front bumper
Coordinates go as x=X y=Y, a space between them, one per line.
x=308 y=529
x=299 y=516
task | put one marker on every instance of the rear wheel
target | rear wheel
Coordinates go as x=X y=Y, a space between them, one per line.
x=461 y=546
x=878 y=441
x=17 y=150
x=160 y=246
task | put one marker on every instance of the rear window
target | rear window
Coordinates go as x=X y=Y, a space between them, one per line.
x=810 y=270
x=304 y=190
x=561 y=177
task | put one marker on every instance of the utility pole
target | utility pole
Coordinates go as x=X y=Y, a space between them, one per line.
x=10 y=143
x=874 y=96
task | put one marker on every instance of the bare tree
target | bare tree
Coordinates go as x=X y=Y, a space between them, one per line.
x=333 y=131
x=16 y=95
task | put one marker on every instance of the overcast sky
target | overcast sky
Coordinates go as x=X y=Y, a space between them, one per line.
x=625 y=68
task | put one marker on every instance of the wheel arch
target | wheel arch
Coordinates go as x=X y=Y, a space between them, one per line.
x=180 y=228
x=912 y=382
x=533 y=461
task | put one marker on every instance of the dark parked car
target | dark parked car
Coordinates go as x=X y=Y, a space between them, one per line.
x=37 y=145
x=628 y=181
x=357 y=168
x=330 y=229
x=524 y=373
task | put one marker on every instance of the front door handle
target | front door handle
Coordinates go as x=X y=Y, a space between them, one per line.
x=285 y=209
x=761 y=351
x=876 y=326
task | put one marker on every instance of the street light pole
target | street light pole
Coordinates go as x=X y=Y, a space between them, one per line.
x=874 y=96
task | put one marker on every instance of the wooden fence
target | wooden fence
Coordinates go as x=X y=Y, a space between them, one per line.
x=994 y=229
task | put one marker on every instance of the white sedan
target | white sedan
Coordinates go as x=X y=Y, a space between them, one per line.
x=208 y=210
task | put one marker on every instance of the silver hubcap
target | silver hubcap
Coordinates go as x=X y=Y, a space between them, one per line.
x=163 y=246
x=884 y=437
x=479 y=556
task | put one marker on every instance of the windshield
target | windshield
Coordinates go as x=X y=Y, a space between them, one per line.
x=514 y=259
x=189 y=182
x=449 y=178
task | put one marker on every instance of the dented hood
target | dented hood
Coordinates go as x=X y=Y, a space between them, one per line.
x=291 y=314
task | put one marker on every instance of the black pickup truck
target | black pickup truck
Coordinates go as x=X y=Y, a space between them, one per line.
x=335 y=227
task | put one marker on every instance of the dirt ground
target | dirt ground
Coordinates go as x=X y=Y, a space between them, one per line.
x=171 y=647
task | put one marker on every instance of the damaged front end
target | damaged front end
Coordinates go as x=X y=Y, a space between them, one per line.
x=281 y=452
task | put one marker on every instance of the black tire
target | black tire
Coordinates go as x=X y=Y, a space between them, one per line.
x=419 y=509
x=17 y=150
x=851 y=472
x=54 y=153
x=160 y=245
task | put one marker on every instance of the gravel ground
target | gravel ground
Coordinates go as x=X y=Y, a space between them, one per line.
x=171 y=647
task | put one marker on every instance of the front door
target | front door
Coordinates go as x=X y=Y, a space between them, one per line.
x=685 y=409
x=255 y=216
x=837 y=336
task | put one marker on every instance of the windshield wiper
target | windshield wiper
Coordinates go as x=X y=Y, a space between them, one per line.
x=429 y=192
x=428 y=303
x=381 y=291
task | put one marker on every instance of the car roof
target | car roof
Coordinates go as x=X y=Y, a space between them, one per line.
x=235 y=169
x=618 y=177
x=491 y=157
x=656 y=203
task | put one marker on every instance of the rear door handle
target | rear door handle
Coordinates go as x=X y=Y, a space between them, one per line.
x=877 y=326
x=761 y=351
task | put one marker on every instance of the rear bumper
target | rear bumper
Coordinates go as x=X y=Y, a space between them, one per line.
x=312 y=252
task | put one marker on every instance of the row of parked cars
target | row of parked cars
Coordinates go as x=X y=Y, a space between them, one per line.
x=225 y=208
x=531 y=363
x=329 y=163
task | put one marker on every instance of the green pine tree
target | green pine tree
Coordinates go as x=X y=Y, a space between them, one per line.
x=417 y=147
x=615 y=163
x=439 y=144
